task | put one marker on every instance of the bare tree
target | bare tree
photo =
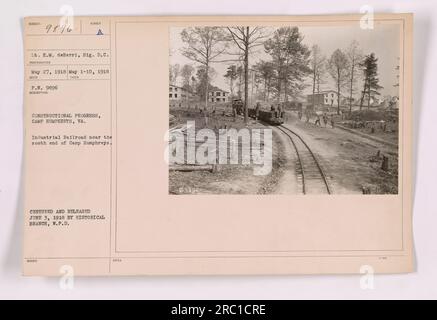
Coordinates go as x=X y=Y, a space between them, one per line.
x=204 y=45
x=355 y=57
x=246 y=38
x=338 y=68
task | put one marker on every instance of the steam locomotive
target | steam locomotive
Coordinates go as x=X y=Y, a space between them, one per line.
x=273 y=117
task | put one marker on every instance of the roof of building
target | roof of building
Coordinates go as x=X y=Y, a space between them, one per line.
x=214 y=88
x=322 y=92
x=328 y=91
x=175 y=86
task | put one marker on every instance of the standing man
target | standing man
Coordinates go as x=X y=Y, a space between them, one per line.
x=325 y=119
x=280 y=110
x=272 y=110
x=317 y=122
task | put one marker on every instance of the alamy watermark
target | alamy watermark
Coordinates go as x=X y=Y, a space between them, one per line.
x=67 y=18
x=367 y=280
x=231 y=146
x=368 y=17
x=66 y=282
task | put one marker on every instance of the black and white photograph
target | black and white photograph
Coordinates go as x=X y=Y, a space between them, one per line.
x=215 y=156
x=284 y=109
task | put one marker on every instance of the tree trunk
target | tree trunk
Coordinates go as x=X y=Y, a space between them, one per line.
x=246 y=73
x=351 y=88
x=285 y=90
x=368 y=100
x=251 y=87
x=207 y=85
x=314 y=84
x=265 y=90
x=239 y=85
x=279 y=90
x=338 y=91
x=268 y=89
x=363 y=95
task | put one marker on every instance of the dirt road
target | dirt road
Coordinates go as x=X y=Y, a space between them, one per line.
x=349 y=160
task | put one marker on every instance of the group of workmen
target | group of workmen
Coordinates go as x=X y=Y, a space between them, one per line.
x=319 y=118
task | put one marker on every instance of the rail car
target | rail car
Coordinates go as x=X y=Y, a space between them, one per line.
x=271 y=117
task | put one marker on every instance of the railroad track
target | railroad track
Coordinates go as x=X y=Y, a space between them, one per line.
x=309 y=170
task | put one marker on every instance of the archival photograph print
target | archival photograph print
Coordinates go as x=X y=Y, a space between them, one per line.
x=284 y=110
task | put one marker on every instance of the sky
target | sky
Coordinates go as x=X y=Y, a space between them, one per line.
x=383 y=40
